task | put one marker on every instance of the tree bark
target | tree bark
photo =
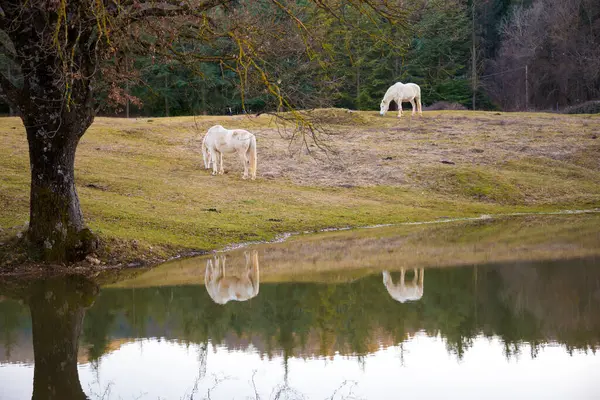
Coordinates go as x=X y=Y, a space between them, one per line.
x=56 y=227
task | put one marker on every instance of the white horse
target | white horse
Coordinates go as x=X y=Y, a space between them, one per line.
x=402 y=291
x=219 y=140
x=400 y=92
x=239 y=287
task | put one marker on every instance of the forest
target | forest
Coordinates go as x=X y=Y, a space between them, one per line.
x=508 y=55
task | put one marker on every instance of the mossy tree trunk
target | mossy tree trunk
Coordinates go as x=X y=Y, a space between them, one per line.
x=55 y=101
x=56 y=228
x=55 y=120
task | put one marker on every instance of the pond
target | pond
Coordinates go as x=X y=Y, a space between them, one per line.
x=506 y=308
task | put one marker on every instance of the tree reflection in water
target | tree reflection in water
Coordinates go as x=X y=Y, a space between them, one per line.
x=57 y=307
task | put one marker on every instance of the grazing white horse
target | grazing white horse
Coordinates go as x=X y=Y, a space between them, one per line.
x=400 y=92
x=219 y=140
x=239 y=287
x=402 y=291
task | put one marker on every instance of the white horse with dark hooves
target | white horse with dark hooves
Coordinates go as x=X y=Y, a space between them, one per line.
x=219 y=140
x=399 y=92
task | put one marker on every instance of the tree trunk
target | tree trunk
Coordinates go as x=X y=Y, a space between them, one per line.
x=57 y=310
x=56 y=228
x=473 y=58
x=56 y=102
x=166 y=95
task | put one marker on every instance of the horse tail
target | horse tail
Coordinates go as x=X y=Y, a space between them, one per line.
x=419 y=106
x=252 y=156
x=205 y=154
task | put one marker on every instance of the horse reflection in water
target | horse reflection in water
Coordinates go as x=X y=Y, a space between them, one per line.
x=404 y=291
x=238 y=285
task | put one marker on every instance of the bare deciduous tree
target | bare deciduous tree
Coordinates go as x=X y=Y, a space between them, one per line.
x=559 y=42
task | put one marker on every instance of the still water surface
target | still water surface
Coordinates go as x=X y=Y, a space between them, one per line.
x=494 y=310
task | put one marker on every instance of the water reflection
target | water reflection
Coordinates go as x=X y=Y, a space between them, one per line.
x=537 y=303
x=224 y=284
x=57 y=307
x=312 y=334
x=403 y=291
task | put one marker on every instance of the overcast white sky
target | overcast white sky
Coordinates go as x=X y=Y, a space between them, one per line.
x=153 y=369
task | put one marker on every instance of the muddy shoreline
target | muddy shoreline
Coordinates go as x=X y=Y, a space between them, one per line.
x=94 y=267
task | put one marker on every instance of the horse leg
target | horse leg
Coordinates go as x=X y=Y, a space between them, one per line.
x=214 y=156
x=221 y=171
x=399 y=108
x=222 y=265
x=209 y=271
x=412 y=103
x=420 y=105
x=387 y=278
x=254 y=273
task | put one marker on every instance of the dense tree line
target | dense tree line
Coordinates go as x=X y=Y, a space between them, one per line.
x=458 y=51
x=453 y=49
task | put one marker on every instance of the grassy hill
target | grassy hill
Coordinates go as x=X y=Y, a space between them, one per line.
x=143 y=188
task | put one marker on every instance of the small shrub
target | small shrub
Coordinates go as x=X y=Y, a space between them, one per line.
x=589 y=107
x=445 y=105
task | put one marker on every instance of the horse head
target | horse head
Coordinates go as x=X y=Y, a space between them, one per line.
x=384 y=106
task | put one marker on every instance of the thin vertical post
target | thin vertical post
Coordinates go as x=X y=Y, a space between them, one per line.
x=126 y=88
x=166 y=95
x=127 y=103
x=526 y=89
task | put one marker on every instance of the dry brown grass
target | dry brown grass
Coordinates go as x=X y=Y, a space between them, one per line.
x=368 y=150
x=386 y=150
